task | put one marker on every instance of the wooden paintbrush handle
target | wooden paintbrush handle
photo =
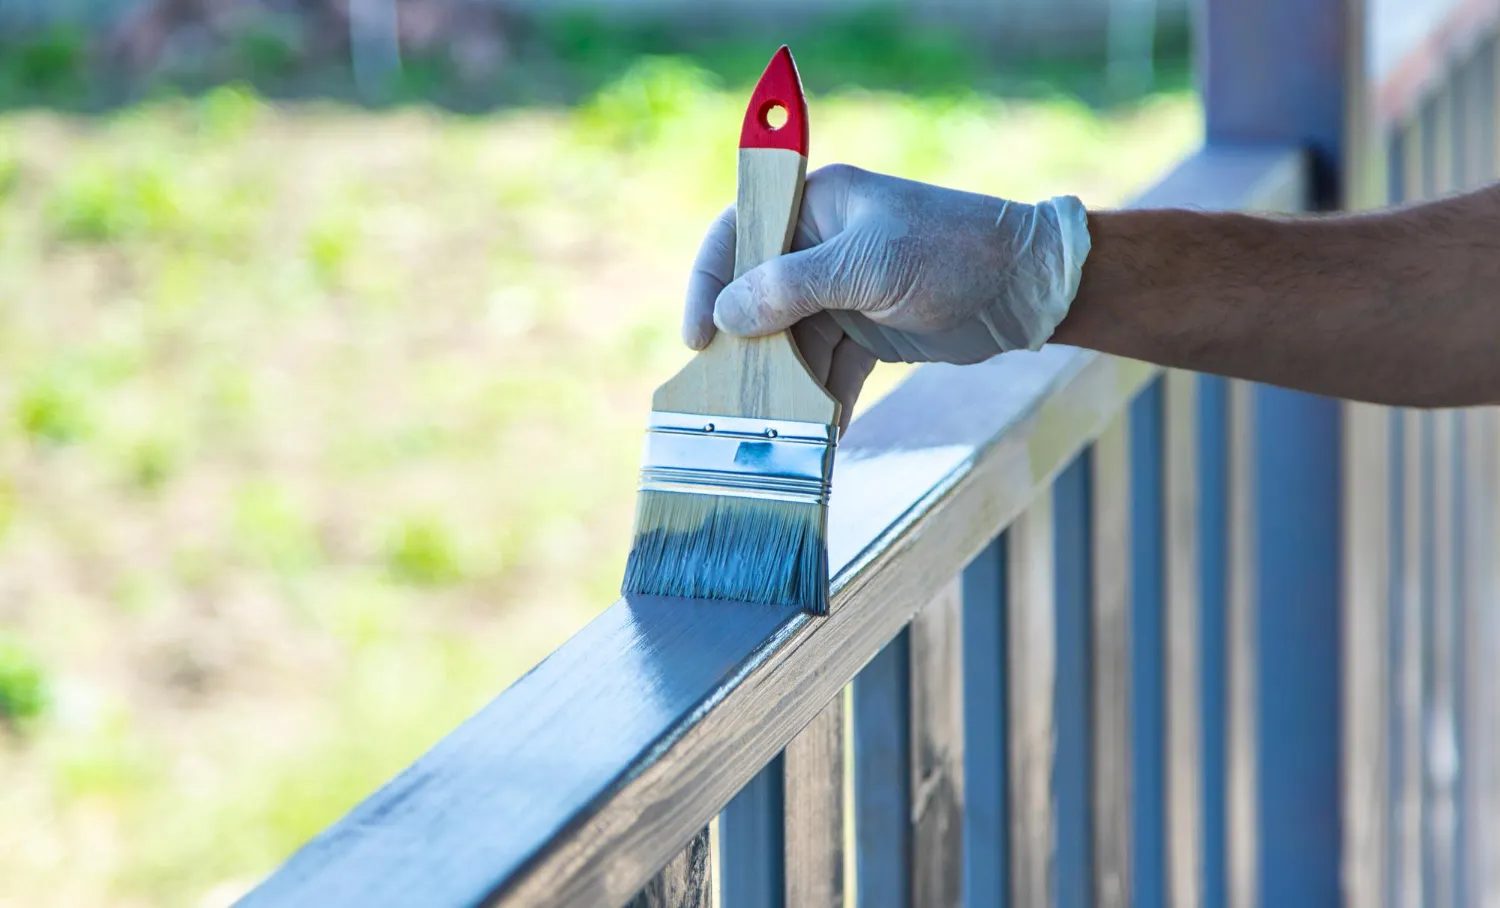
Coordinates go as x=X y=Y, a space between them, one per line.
x=760 y=377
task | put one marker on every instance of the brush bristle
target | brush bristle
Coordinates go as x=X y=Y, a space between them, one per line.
x=722 y=547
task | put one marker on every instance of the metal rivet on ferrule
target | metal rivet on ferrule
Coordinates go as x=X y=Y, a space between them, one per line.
x=776 y=460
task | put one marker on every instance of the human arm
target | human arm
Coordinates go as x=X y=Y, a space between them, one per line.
x=1397 y=307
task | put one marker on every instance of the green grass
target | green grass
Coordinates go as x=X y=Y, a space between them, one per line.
x=321 y=426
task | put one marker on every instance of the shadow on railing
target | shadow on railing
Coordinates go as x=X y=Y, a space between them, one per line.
x=1109 y=636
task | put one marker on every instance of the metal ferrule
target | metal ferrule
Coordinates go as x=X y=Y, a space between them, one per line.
x=776 y=459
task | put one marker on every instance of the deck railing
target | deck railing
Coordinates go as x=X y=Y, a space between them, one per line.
x=1101 y=635
x=1422 y=699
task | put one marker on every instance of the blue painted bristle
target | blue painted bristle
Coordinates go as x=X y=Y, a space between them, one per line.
x=740 y=549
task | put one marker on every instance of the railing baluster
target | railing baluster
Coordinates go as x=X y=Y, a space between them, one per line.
x=1147 y=653
x=1366 y=623
x=1412 y=154
x=1395 y=161
x=1241 y=815
x=1111 y=633
x=1397 y=594
x=1430 y=162
x=1297 y=447
x=1482 y=113
x=1406 y=626
x=986 y=812
x=1461 y=126
x=1444 y=737
x=1407 y=675
x=1442 y=135
x=1481 y=643
x=1214 y=564
x=1072 y=770
x=937 y=763
x=1457 y=566
x=1440 y=728
x=882 y=777
x=1428 y=486
x=1184 y=751
x=1032 y=665
x=751 y=842
x=815 y=812
x=684 y=883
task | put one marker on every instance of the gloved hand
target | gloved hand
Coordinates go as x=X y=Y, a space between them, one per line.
x=897 y=270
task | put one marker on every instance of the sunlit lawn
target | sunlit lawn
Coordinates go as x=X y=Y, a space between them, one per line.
x=318 y=427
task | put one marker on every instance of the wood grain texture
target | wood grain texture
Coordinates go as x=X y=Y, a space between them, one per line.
x=815 y=812
x=1366 y=643
x=1112 y=752
x=1031 y=685
x=1184 y=682
x=686 y=881
x=580 y=782
x=937 y=751
x=756 y=377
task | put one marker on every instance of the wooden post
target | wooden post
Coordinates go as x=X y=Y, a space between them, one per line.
x=374 y=46
x=1285 y=71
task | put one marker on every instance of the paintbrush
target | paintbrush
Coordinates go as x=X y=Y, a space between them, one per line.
x=739 y=450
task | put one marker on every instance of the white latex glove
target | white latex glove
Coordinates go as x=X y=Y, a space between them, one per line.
x=896 y=270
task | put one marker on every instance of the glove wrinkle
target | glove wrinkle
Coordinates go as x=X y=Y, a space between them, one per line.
x=906 y=271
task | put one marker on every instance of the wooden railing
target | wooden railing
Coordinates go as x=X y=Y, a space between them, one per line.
x=1100 y=635
x=1422 y=698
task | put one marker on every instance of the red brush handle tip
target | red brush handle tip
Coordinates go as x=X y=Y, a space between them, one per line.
x=778 y=94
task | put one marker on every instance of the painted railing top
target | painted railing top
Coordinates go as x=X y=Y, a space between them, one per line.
x=582 y=779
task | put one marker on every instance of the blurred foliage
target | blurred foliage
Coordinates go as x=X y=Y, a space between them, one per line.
x=482 y=57
x=52 y=64
x=321 y=425
x=52 y=408
x=23 y=686
x=421 y=551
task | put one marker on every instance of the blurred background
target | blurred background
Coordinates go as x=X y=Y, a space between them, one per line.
x=327 y=333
